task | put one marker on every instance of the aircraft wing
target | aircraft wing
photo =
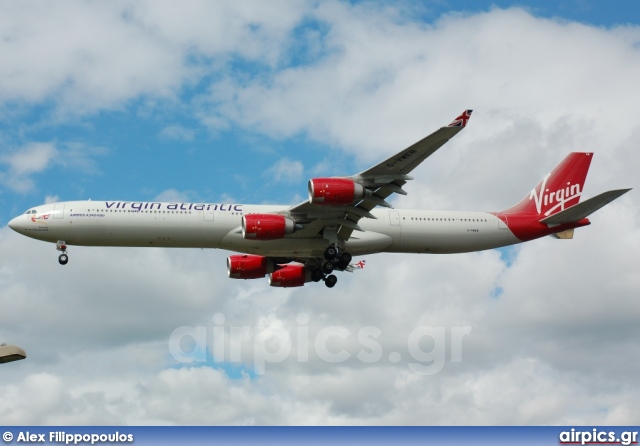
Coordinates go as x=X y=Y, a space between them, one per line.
x=379 y=181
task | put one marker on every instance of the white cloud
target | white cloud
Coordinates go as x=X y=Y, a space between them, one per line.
x=174 y=196
x=34 y=158
x=227 y=199
x=177 y=132
x=28 y=160
x=89 y=57
x=51 y=199
x=31 y=159
x=285 y=170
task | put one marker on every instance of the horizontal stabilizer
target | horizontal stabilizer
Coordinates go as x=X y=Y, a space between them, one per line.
x=584 y=209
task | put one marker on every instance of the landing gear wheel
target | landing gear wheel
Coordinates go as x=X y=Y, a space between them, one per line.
x=63 y=259
x=317 y=275
x=328 y=267
x=330 y=253
x=330 y=281
x=343 y=262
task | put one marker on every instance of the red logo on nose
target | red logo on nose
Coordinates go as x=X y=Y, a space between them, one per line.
x=36 y=218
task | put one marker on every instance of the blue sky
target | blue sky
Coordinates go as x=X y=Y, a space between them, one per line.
x=245 y=101
x=583 y=11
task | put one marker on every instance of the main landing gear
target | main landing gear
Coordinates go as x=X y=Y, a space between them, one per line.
x=333 y=259
x=63 y=258
x=330 y=280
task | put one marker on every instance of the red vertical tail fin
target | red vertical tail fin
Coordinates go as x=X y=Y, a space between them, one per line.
x=557 y=191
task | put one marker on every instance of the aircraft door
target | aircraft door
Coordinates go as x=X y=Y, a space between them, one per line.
x=207 y=213
x=58 y=210
x=393 y=218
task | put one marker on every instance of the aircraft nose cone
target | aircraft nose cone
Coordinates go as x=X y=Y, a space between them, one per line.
x=15 y=224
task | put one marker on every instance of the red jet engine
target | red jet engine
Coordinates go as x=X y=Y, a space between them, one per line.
x=335 y=191
x=247 y=266
x=290 y=276
x=266 y=226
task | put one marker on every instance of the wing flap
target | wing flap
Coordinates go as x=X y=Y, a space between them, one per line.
x=584 y=209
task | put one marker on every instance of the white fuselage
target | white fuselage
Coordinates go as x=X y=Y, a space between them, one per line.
x=193 y=225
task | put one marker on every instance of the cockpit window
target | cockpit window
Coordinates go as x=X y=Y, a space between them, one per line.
x=31 y=211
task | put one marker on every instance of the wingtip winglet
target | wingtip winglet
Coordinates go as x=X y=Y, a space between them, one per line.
x=461 y=121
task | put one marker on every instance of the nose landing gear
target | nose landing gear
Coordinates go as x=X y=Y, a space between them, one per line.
x=63 y=258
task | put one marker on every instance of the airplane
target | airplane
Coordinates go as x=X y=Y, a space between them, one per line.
x=343 y=217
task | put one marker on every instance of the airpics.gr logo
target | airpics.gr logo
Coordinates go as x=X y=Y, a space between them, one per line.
x=595 y=436
x=545 y=198
x=40 y=218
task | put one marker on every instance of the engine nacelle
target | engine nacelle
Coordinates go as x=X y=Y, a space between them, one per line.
x=290 y=276
x=335 y=191
x=247 y=266
x=266 y=226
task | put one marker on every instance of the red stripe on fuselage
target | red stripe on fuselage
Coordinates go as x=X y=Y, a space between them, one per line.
x=527 y=227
